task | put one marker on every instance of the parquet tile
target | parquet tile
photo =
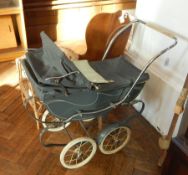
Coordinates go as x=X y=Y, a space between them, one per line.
x=22 y=154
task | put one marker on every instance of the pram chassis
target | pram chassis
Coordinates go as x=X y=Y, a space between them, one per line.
x=113 y=130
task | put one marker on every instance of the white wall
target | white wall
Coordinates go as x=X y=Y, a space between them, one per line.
x=168 y=73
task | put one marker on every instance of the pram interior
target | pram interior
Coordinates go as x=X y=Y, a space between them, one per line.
x=65 y=91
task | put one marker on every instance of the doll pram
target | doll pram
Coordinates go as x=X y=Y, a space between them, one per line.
x=60 y=85
x=81 y=90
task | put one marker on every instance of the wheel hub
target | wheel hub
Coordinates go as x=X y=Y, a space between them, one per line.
x=78 y=152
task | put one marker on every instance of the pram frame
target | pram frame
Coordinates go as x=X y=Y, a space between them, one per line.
x=38 y=109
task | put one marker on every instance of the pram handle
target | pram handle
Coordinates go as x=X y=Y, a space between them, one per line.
x=125 y=27
x=161 y=30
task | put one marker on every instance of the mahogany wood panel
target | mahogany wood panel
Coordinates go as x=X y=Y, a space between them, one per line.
x=33 y=33
x=75 y=14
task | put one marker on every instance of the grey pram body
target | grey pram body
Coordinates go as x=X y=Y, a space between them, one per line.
x=73 y=94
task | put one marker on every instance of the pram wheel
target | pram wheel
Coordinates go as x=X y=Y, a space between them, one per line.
x=113 y=139
x=78 y=152
x=53 y=127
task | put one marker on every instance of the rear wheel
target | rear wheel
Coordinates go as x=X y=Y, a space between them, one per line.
x=53 y=127
x=115 y=140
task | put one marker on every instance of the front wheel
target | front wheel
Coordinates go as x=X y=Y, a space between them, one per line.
x=78 y=152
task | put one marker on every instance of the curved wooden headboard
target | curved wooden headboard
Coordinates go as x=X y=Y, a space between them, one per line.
x=99 y=32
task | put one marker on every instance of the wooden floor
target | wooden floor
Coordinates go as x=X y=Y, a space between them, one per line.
x=22 y=154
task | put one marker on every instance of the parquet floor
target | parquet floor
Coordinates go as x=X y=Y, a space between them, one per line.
x=22 y=154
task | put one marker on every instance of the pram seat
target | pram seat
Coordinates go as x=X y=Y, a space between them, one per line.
x=119 y=70
x=62 y=97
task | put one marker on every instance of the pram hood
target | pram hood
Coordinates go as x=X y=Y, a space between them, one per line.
x=50 y=62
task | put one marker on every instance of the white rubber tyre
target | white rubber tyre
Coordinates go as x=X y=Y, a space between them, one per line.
x=88 y=120
x=78 y=152
x=115 y=140
x=55 y=129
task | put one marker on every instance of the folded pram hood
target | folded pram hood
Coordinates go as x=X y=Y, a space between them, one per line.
x=50 y=62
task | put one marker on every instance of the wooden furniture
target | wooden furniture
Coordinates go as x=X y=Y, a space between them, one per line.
x=7 y=31
x=177 y=157
x=164 y=141
x=12 y=30
x=99 y=32
x=65 y=20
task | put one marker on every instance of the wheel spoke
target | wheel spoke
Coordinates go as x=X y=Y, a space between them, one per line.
x=90 y=148
x=71 y=161
x=117 y=135
x=110 y=140
x=83 y=144
x=76 y=160
x=80 y=146
x=71 y=158
x=111 y=135
x=83 y=158
x=109 y=146
x=68 y=155
x=121 y=139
